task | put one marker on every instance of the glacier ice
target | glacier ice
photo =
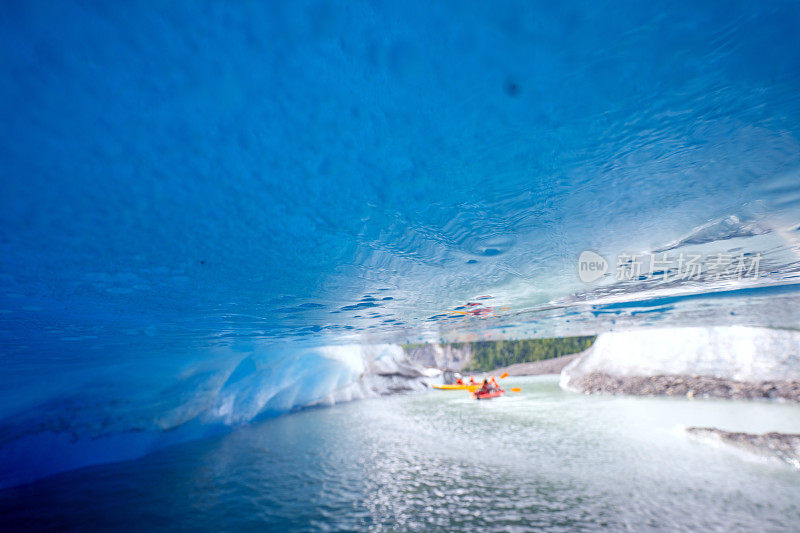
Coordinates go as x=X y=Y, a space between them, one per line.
x=199 y=206
x=123 y=415
x=727 y=352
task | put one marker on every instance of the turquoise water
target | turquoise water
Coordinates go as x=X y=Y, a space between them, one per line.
x=543 y=458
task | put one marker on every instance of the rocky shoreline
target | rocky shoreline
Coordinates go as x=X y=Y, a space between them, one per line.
x=783 y=446
x=688 y=386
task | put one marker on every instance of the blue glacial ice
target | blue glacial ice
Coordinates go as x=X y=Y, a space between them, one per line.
x=200 y=203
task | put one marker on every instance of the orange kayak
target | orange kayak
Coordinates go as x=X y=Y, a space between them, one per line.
x=488 y=395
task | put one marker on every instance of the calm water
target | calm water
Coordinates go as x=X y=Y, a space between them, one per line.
x=544 y=458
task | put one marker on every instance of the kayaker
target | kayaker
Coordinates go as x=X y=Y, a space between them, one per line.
x=459 y=381
x=486 y=387
x=494 y=383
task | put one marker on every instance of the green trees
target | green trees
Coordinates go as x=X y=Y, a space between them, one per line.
x=489 y=355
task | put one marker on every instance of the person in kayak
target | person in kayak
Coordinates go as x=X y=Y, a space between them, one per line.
x=486 y=388
x=459 y=381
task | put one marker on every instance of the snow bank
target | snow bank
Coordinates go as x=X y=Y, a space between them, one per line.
x=733 y=353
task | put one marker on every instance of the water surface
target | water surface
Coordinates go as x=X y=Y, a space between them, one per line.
x=544 y=458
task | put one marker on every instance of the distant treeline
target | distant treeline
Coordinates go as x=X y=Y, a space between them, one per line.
x=489 y=355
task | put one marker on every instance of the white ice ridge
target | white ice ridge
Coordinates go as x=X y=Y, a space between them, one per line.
x=156 y=409
x=730 y=352
x=319 y=375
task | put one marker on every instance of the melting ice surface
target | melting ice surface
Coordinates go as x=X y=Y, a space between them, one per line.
x=195 y=199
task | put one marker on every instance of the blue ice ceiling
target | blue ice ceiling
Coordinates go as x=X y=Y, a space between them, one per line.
x=183 y=179
x=188 y=169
